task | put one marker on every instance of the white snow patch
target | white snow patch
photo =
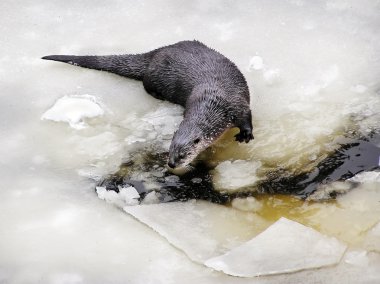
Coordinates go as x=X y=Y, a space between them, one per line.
x=271 y=76
x=286 y=246
x=73 y=110
x=226 y=30
x=256 y=63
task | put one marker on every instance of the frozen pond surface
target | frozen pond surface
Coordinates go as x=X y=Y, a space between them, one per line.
x=313 y=68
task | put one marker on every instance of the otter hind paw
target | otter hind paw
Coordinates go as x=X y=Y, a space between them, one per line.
x=245 y=135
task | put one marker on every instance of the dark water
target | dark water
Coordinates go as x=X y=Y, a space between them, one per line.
x=353 y=156
x=196 y=184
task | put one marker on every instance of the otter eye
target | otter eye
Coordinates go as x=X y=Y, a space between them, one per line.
x=196 y=141
x=181 y=156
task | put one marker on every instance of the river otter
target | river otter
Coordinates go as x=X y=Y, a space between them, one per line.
x=210 y=87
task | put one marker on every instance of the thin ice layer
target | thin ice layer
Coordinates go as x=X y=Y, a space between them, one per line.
x=286 y=246
x=200 y=229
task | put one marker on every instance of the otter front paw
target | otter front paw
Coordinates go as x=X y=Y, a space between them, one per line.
x=245 y=135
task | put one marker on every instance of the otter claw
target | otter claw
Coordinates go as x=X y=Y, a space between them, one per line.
x=244 y=136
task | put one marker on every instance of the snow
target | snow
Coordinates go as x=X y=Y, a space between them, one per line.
x=272 y=76
x=256 y=63
x=73 y=110
x=317 y=80
x=284 y=247
x=66 y=278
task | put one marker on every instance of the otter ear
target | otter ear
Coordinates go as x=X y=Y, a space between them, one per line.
x=196 y=141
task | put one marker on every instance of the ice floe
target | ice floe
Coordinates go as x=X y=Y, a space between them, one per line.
x=249 y=204
x=235 y=175
x=214 y=239
x=126 y=196
x=200 y=229
x=73 y=110
x=286 y=246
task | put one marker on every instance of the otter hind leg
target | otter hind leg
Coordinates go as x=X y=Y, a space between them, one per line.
x=150 y=89
x=245 y=126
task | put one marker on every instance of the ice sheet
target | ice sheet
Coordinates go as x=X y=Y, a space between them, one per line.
x=298 y=112
x=286 y=246
x=200 y=229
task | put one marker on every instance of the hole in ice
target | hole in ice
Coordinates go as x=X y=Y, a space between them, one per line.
x=146 y=172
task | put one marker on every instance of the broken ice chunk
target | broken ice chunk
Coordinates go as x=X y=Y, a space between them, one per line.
x=151 y=198
x=125 y=196
x=247 y=204
x=128 y=193
x=200 y=229
x=371 y=176
x=237 y=174
x=286 y=246
x=73 y=109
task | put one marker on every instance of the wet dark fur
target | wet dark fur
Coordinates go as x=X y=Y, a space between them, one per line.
x=210 y=87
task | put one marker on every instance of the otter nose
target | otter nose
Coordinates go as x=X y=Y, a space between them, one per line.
x=171 y=164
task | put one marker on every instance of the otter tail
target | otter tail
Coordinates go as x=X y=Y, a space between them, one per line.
x=131 y=66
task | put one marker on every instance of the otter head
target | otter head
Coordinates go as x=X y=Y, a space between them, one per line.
x=207 y=116
x=188 y=141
